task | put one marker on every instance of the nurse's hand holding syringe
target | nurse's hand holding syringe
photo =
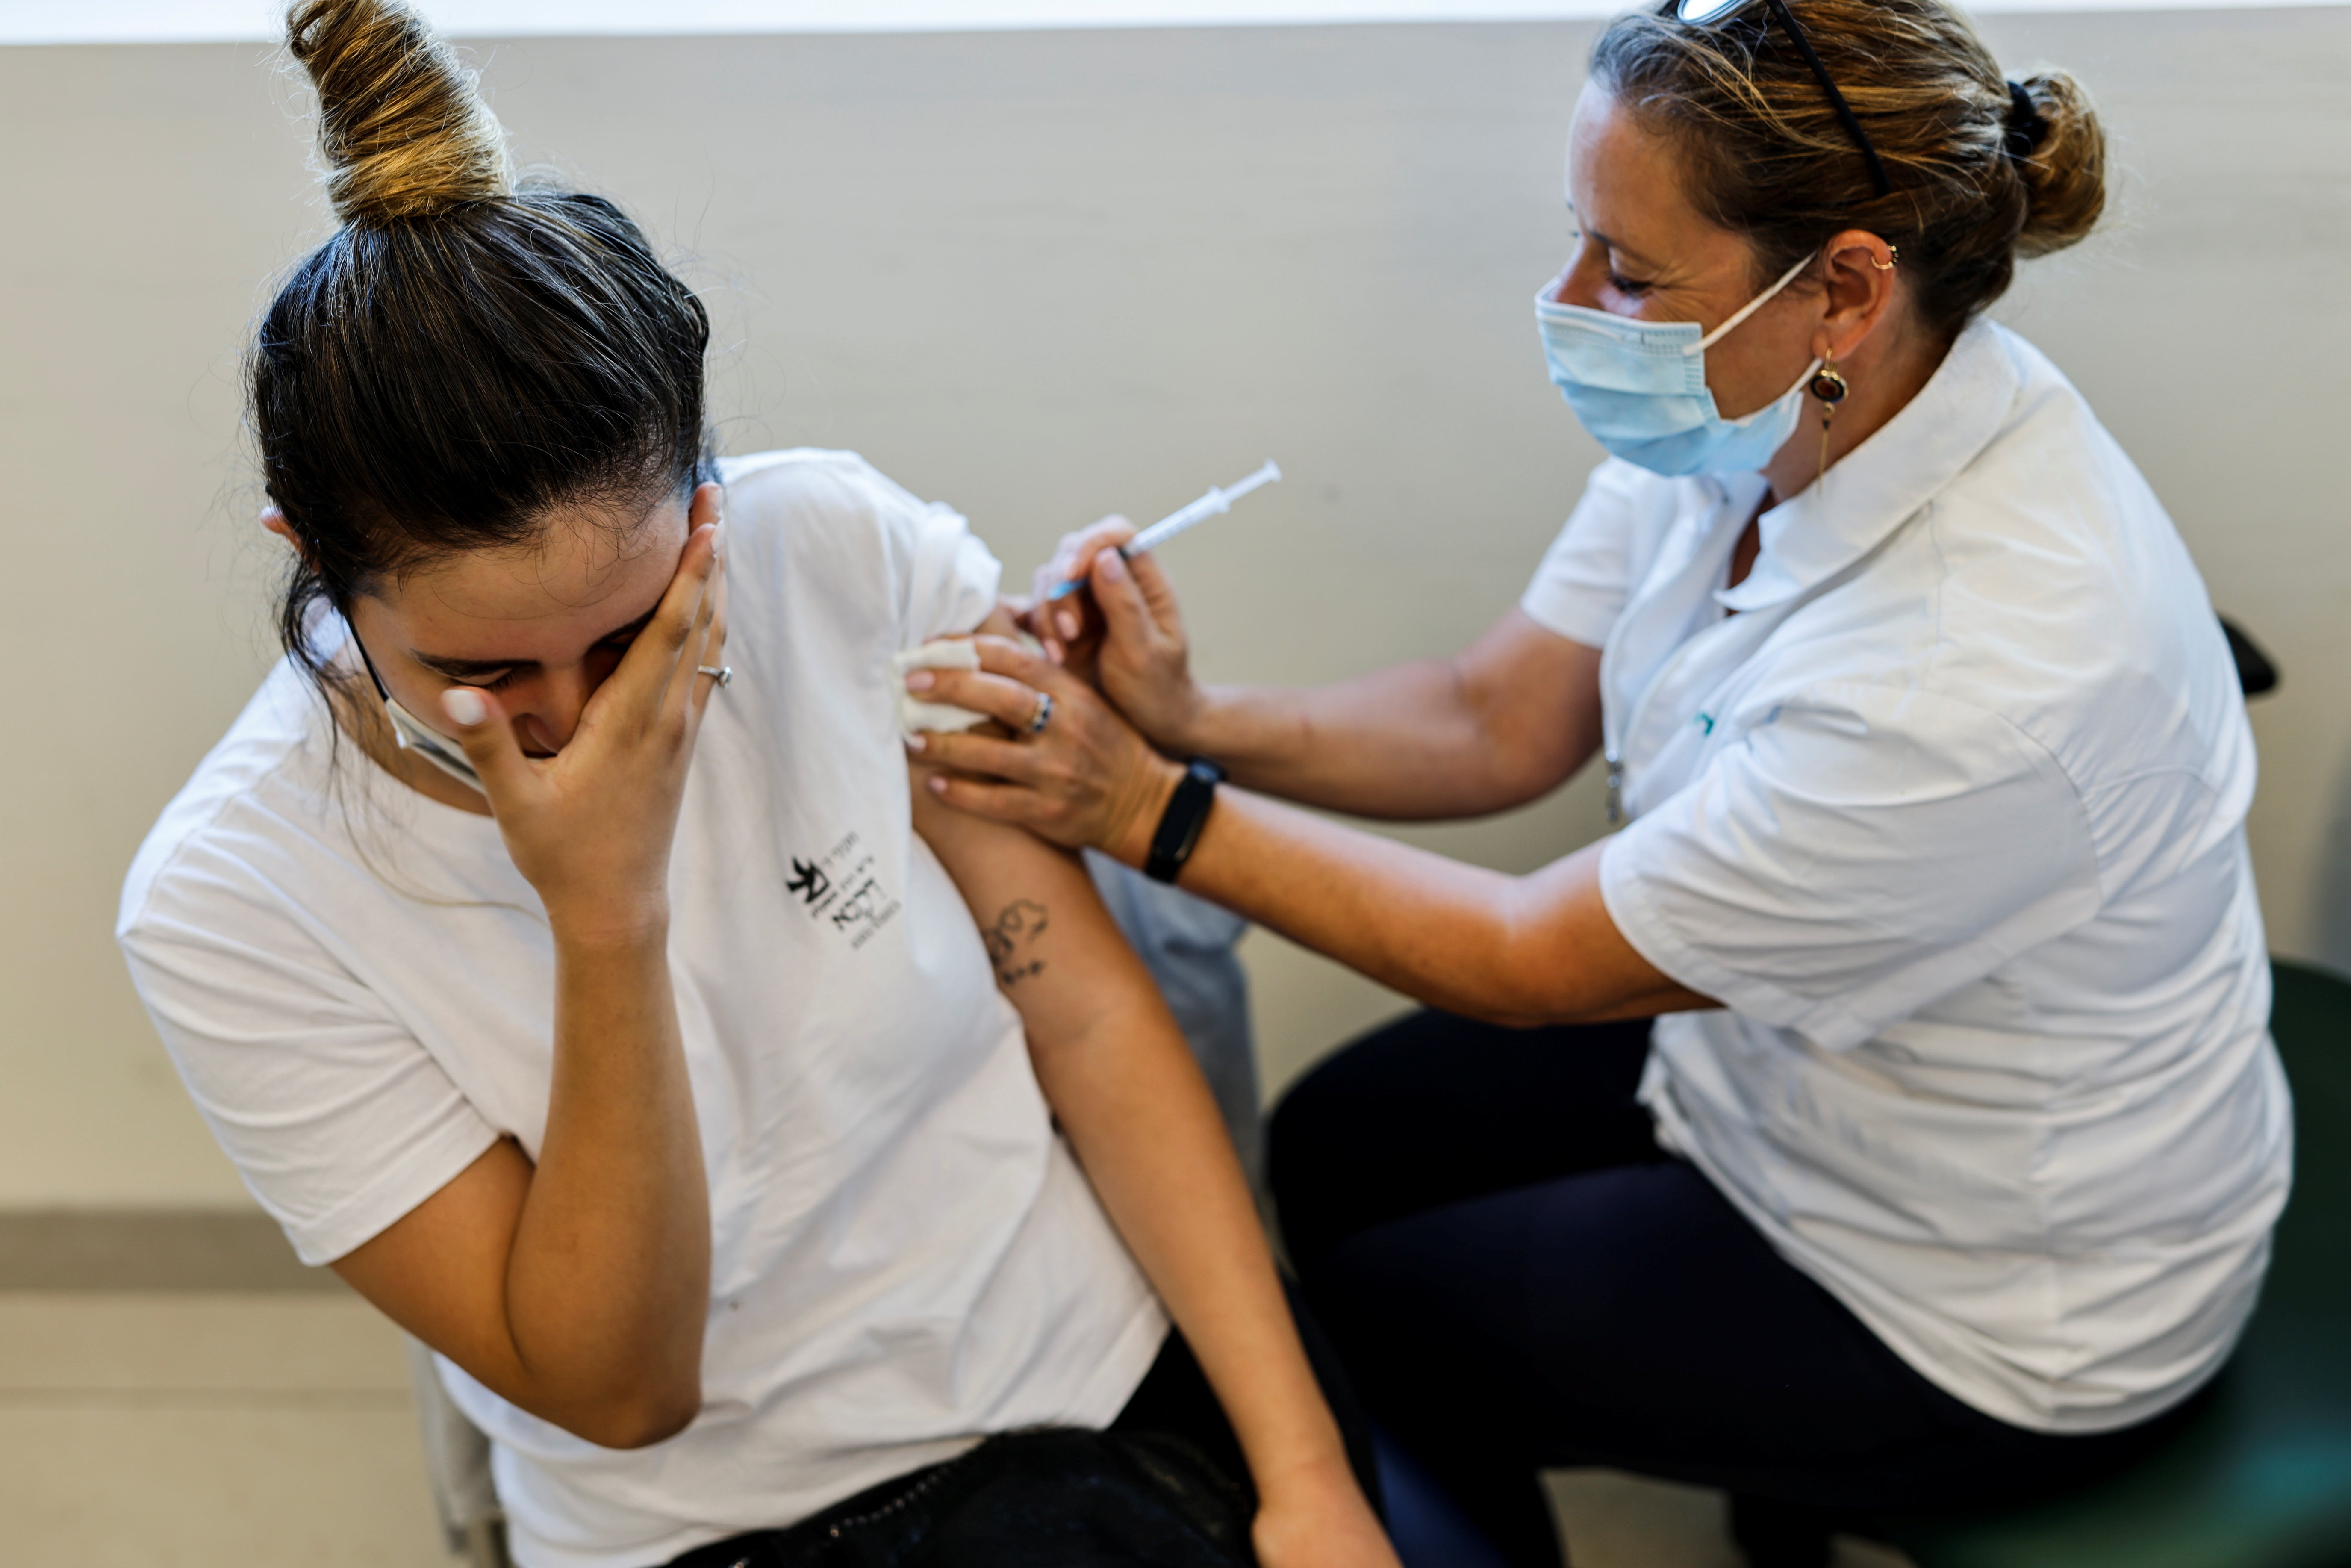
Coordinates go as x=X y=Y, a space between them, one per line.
x=1218 y=499
x=1480 y=731
x=1066 y=621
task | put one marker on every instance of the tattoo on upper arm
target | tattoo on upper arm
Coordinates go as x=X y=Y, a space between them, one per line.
x=1008 y=935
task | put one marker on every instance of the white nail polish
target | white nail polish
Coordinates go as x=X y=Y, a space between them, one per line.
x=464 y=707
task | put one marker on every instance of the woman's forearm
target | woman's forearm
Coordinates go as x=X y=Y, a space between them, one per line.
x=1400 y=744
x=1519 y=950
x=1123 y=1085
x=1497 y=725
x=1144 y=1124
x=576 y=1289
x=608 y=1278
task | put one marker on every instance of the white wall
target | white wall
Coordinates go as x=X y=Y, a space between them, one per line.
x=1044 y=275
x=205 y=21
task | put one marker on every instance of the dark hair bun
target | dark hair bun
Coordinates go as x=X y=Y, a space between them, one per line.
x=402 y=126
x=2065 y=173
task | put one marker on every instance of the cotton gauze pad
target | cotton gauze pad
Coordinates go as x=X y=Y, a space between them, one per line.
x=913 y=713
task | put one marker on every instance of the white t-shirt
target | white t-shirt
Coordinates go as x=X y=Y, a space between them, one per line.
x=358 y=988
x=1949 y=813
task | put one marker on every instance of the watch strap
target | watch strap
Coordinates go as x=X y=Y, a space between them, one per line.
x=1180 y=823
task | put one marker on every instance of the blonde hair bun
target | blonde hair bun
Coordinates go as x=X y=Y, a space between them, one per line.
x=2065 y=176
x=401 y=124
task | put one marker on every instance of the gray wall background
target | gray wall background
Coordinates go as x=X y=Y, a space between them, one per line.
x=1044 y=276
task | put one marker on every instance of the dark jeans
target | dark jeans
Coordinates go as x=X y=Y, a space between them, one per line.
x=1174 y=1399
x=1519 y=1277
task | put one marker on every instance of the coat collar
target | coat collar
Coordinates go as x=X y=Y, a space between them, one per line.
x=1825 y=527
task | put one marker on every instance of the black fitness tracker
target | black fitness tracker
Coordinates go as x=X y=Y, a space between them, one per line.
x=1180 y=823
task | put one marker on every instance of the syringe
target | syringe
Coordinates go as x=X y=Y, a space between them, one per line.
x=1216 y=500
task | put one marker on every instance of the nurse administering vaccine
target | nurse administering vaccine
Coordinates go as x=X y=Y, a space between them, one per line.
x=1885 y=1116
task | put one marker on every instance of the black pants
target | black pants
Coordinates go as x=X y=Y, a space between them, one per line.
x=1517 y=1277
x=1174 y=1399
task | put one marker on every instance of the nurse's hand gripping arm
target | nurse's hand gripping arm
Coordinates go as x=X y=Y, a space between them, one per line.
x=1539 y=948
x=1124 y=1087
x=578 y=1288
x=1503 y=721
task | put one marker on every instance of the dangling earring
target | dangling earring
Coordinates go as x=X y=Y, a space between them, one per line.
x=1829 y=387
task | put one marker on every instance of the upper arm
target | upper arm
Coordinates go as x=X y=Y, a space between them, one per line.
x=440 y=1270
x=1534 y=678
x=1535 y=697
x=346 y=1128
x=1058 y=955
x=947 y=578
x=445 y=1271
x=1561 y=958
x=337 y=1117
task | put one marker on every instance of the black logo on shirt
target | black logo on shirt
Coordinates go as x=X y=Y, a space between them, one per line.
x=839 y=888
x=808 y=881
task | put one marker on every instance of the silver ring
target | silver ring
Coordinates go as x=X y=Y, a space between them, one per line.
x=723 y=674
x=1044 y=714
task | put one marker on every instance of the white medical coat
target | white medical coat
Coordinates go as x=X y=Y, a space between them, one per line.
x=1944 y=803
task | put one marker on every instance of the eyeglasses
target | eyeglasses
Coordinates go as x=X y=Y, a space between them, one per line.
x=1702 y=13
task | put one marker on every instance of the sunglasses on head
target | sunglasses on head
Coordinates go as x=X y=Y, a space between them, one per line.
x=1705 y=12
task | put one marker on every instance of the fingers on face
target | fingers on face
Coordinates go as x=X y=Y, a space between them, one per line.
x=709 y=505
x=688 y=610
x=485 y=736
x=714 y=645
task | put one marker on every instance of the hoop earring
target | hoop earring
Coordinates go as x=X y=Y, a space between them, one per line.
x=1829 y=388
x=1893 y=258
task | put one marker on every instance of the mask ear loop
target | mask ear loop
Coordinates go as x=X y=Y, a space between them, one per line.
x=1744 y=311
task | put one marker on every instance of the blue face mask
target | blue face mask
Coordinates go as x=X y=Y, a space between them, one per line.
x=1639 y=387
